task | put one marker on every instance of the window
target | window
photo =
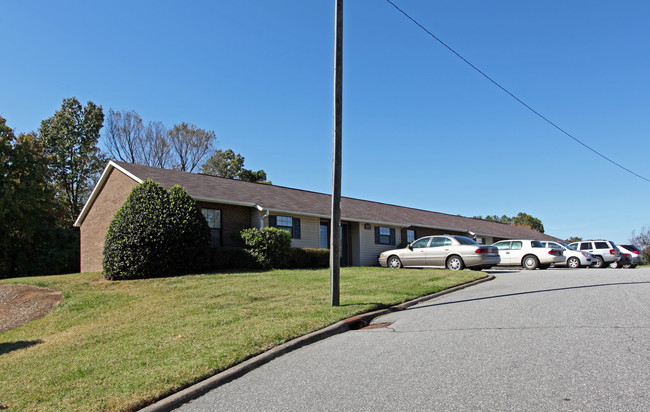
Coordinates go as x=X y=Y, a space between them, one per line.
x=384 y=235
x=288 y=223
x=536 y=243
x=421 y=243
x=503 y=245
x=440 y=241
x=410 y=235
x=213 y=216
x=516 y=245
x=324 y=235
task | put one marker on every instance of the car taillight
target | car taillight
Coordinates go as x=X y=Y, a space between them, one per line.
x=482 y=250
x=612 y=251
x=584 y=254
x=554 y=252
x=636 y=252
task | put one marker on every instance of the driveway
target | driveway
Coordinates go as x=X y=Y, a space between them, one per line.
x=551 y=340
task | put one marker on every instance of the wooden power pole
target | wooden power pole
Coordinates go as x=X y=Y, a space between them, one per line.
x=335 y=225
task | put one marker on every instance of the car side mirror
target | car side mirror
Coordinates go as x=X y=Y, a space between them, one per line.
x=410 y=246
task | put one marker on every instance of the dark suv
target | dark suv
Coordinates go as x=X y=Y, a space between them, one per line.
x=604 y=251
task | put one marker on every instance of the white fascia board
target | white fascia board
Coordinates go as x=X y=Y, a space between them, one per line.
x=223 y=201
x=98 y=186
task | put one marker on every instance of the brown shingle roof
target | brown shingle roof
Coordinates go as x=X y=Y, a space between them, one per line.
x=302 y=202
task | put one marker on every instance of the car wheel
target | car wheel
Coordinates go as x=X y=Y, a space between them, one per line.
x=573 y=262
x=599 y=262
x=455 y=263
x=394 y=262
x=614 y=265
x=530 y=262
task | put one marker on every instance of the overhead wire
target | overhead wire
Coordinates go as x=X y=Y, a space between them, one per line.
x=512 y=95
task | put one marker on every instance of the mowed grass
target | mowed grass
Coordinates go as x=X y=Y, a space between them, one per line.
x=122 y=345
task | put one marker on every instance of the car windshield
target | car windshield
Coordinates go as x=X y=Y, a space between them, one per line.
x=465 y=240
x=536 y=243
x=566 y=246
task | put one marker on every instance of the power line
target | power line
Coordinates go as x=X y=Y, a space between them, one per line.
x=512 y=95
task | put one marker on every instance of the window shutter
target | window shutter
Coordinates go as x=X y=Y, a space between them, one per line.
x=392 y=236
x=273 y=221
x=377 y=238
x=296 y=228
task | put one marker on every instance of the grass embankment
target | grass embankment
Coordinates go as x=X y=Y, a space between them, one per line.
x=119 y=345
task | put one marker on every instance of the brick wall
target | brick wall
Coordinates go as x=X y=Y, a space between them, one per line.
x=233 y=220
x=116 y=189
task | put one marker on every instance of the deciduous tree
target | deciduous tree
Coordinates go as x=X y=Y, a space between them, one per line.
x=69 y=140
x=522 y=219
x=190 y=144
x=230 y=165
x=27 y=212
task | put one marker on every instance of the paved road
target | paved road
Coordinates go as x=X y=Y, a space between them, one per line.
x=554 y=340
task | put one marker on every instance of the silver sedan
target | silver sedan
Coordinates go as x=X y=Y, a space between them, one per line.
x=450 y=251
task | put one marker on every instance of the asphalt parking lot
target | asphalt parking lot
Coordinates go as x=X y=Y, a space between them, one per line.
x=556 y=339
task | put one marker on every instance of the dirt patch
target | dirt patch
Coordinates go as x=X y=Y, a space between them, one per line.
x=20 y=304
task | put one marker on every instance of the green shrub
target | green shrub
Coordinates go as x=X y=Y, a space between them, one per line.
x=308 y=258
x=156 y=233
x=269 y=246
x=231 y=258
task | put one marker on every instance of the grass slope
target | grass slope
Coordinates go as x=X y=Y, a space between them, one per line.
x=122 y=345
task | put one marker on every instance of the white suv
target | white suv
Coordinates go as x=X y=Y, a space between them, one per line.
x=604 y=251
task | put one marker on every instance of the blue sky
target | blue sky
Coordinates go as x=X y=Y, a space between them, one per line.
x=420 y=127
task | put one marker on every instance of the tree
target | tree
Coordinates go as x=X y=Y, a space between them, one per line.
x=69 y=140
x=27 y=212
x=123 y=136
x=574 y=239
x=156 y=149
x=190 y=144
x=522 y=219
x=642 y=241
x=129 y=140
x=230 y=165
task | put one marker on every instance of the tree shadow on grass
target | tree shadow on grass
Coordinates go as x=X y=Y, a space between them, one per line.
x=21 y=344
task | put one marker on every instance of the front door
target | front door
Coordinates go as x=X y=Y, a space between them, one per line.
x=325 y=240
x=437 y=251
x=415 y=255
x=516 y=252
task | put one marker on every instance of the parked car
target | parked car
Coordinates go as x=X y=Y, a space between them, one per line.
x=574 y=258
x=624 y=260
x=530 y=254
x=604 y=251
x=637 y=255
x=450 y=251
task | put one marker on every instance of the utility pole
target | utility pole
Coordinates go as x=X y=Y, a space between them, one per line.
x=335 y=225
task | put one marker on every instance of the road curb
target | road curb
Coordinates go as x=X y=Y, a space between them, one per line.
x=177 y=399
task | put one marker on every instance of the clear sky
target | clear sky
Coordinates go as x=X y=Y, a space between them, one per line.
x=420 y=127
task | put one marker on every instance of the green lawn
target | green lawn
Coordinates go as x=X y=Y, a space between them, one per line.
x=120 y=345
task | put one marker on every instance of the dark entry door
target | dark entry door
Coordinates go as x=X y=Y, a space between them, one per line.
x=325 y=240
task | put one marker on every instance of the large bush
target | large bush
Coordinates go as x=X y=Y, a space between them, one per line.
x=269 y=246
x=308 y=258
x=156 y=233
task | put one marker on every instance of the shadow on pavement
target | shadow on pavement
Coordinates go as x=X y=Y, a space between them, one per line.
x=527 y=293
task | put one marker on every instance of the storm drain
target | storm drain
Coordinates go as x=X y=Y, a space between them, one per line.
x=377 y=326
